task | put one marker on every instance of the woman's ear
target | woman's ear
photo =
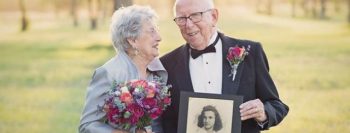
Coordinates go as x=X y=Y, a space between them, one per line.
x=132 y=42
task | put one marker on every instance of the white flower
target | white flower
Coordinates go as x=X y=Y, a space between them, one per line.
x=137 y=90
x=117 y=93
x=124 y=89
x=152 y=84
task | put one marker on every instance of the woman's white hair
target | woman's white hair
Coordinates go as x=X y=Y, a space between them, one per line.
x=127 y=24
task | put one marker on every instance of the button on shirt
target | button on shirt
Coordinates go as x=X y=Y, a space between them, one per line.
x=206 y=70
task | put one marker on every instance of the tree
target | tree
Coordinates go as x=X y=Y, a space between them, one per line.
x=269 y=7
x=105 y=8
x=314 y=8
x=337 y=6
x=58 y=5
x=323 y=9
x=93 y=13
x=73 y=12
x=349 y=11
x=122 y=3
x=24 y=19
x=264 y=6
x=257 y=6
x=293 y=2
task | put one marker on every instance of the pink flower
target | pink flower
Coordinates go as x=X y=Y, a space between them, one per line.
x=156 y=113
x=150 y=92
x=139 y=83
x=111 y=113
x=136 y=112
x=236 y=51
x=126 y=97
x=167 y=100
x=149 y=103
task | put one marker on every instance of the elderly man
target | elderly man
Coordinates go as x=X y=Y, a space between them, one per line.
x=200 y=65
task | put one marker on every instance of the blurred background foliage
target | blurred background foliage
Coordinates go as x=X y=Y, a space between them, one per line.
x=50 y=48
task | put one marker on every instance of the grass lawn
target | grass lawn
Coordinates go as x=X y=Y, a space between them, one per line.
x=44 y=72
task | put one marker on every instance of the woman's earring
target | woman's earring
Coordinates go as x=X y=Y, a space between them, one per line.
x=136 y=51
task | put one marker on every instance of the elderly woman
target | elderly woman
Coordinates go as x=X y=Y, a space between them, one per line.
x=136 y=39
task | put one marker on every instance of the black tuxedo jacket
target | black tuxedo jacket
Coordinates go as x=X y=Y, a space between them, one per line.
x=252 y=81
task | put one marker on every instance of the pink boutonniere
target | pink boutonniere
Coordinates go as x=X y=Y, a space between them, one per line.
x=235 y=56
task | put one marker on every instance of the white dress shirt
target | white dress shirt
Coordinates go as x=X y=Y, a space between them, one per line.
x=206 y=70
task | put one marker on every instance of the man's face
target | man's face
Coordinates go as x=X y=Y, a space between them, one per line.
x=209 y=120
x=197 y=34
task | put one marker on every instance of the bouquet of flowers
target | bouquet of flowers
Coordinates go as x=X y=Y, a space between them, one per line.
x=136 y=103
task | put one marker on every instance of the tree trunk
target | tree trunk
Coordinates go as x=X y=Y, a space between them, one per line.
x=305 y=7
x=73 y=11
x=269 y=7
x=337 y=7
x=24 y=19
x=171 y=5
x=104 y=10
x=314 y=8
x=257 y=6
x=56 y=4
x=349 y=11
x=93 y=14
x=323 y=9
x=122 y=3
x=293 y=2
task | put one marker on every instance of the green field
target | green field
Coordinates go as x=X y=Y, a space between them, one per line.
x=44 y=72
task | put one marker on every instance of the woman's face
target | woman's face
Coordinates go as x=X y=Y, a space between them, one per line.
x=209 y=120
x=148 y=41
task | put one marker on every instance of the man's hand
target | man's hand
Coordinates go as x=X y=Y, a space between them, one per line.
x=253 y=109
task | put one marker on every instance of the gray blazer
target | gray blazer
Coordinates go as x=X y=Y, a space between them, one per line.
x=120 y=68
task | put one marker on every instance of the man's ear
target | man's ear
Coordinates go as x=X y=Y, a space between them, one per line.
x=215 y=16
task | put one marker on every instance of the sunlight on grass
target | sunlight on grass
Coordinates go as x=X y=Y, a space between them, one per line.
x=328 y=108
x=37 y=109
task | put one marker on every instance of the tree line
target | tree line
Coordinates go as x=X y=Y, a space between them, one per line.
x=95 y=7
x=315 y=9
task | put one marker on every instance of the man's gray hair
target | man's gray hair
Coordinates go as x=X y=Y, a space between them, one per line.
x=127 y=24
x=209 y=5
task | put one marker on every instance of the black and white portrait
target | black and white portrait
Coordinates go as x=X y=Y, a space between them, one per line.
x=209 y=120
x=209 y=115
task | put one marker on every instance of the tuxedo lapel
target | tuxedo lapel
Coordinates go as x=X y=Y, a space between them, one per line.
x=229 y=86
x=183 y=77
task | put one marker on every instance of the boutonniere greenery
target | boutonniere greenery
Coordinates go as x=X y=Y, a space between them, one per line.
x=235 y=56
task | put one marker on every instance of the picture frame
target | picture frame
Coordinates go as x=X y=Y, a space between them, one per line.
x=201 y=112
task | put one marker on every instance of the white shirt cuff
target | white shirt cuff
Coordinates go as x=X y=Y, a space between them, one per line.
x=262 y=124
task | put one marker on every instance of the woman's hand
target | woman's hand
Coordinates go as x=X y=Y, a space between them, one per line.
x=137 y=131
x=140 y=131
x=120 y=131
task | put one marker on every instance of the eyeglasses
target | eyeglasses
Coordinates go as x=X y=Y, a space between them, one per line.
x=194 y=17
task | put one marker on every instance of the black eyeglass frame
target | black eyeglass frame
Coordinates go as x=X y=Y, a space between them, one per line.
x=177 y=19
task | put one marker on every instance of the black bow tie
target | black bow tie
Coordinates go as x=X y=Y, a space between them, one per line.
x=211 y=48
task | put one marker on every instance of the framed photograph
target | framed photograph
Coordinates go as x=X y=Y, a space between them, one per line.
x=202 y=112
